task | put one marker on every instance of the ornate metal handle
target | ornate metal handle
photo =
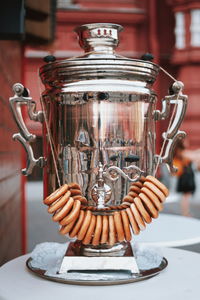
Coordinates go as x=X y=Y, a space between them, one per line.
x=173 y=133
x=20 y=98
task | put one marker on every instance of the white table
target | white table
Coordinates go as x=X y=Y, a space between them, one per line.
x=179 y=281
x=171 y=231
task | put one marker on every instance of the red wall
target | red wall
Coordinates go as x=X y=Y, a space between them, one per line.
x=11 y=193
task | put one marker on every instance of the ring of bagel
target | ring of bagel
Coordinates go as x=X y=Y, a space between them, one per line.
x=112 y=223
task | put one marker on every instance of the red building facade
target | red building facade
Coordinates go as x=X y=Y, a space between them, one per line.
x=12 y=226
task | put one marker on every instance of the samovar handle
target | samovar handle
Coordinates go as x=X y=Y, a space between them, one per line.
x=20 y=98
x=173 y=134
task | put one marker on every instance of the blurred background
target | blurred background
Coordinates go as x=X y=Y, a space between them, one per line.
x=33 y=29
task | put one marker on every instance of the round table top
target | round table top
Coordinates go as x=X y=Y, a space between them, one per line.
x=179 y=280
x=171 y=231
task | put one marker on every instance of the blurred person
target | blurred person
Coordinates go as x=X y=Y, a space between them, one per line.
x=185 y=176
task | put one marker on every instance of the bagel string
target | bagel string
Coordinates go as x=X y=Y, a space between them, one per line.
x=110 y=224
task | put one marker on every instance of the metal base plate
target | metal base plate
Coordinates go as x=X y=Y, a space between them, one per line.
x=105 y=277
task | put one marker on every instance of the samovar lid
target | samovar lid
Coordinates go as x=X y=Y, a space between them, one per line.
x=100 y=61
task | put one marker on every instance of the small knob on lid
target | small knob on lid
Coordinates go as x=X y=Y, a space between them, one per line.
x=49 y=58
x=102 y=37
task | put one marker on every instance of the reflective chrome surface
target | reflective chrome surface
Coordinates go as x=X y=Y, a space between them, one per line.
x=101 y=113
x=88 y=128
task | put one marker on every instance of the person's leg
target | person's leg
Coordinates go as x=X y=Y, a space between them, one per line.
x=185 y=204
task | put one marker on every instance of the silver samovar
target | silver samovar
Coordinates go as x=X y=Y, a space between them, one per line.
x=99 y=119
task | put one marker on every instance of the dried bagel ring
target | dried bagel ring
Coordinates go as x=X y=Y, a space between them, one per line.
x=78 y=224
x=56 y=194
x=104 y=235
x=75 y=192
x=134 y=188
x=119 y=226
x=63 y=211
x=137 y=183
x=85 y=225
x=92 y=208
x=80 y=198
x=155 y=190
x=97 y=232
x=90 y=231
x=125 y=222
x=142 y=179
x=73 y=215
x=128 y=198
x=134 y=225
x=113 y=207
x=59 y=203
x=159 y=184
x=142 y=210
x=132 y=194
x=125 y=205
x=66 y=229
x=74 y=185
x=149 y=206
x=153 y=198
x=137 y=216
x=112 y=231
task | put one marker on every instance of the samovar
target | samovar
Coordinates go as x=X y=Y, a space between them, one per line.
x=99 y=123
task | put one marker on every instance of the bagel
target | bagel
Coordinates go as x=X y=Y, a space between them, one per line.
x=142 y=210
x=137 y=216
x=128 y=198
x=56 y=194
x=159 y=184
x=137 y=183
x=149 y=206
x=75 y=192
x=153 y=198
x=126 y=226
x=63 y=211
x=119 y=226
x=134 y=225
x=66 y=229
x=78 y=224
x=85 y=225
x=98 y=230
x=59 y=203
x=74 y=185
x=80 y=198
x=73 y=215
x=155 y=190
x=135 y=189
x=104 y=235
x=112 y=232
x=90 y=231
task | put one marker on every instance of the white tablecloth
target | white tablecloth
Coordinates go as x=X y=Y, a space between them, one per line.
x=171 y=231
x=179 y=281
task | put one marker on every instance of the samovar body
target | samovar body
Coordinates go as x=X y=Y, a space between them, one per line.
x=99 y=115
